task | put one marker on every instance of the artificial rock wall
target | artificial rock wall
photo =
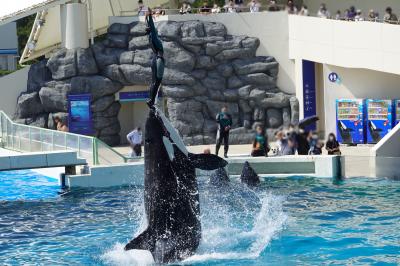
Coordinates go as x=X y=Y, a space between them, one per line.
x=205 y=69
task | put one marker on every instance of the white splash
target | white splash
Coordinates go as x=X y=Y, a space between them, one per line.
x=269 y=221
x=119 y=257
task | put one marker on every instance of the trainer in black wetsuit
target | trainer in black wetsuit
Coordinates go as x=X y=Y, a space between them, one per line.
x=157 y=63
x=224 y=126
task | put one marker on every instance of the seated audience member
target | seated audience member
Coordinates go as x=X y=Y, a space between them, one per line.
x=205 y=9
x=332 y=145
x=304 y=11
x=291 y=8
x=279 y=138
x=338 y=15
x=346 y=15
x=372 y=15
x=239 y=5
x=158 y=11
x=185 y=8
x=352 y=13
x=389 y=16
x=359 y=16
x=230 y=7
x=216 y=9
x=260 y=143
x=60 y=125
x=272 y=6
x=286 y=144
x=254 y=6
x=315 y=146
x=323 y=12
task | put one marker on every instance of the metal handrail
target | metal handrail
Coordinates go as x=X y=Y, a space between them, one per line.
x=26 y=138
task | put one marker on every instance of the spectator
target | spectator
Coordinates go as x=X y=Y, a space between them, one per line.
x=230 y=7
x=291 y=8
x=372 y=15
x=338 y=15
x=158 y=11
x=238 y=5
x=352 y=13
x=216 y=9
x=346 y=14
x=224 y=120
x=260 y=144
x=286 y=145
x=315 y=146
x=359 y=16
x=135 y=140
x=205 y=9
x=142 y=9
x=303 y=142
x=304 y=11
x=207 y=151
x=332 y=145
x=272 y=6
x=389 y=16
x=185 y=8
x=254 y=6
x=279 y=138
x=60 y=125
x=323 y=12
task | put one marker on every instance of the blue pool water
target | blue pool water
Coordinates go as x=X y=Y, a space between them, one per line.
x=291 y=221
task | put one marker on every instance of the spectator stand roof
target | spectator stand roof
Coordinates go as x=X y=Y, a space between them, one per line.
x=46 y=32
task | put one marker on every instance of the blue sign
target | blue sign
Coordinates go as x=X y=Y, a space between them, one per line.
x=309 y=91
x=135 y=96
x=80 y=115
x=334 y=77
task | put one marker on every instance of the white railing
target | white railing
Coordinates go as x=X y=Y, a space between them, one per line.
x=25 y=138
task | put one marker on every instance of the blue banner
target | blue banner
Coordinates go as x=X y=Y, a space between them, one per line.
x=135 y=96
x=309 y=91
x=80 y=115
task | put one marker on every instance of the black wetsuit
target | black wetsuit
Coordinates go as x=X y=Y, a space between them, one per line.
x=157 y=63
x=224 y=123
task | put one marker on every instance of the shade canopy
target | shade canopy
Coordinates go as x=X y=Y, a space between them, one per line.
x=46 y=31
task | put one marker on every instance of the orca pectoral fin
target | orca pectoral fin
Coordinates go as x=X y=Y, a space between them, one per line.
x=143 y=241
x=207 y=161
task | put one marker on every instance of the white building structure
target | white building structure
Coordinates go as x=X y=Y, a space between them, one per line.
x=8 y=46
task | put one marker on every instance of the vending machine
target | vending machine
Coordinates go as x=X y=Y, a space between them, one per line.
x=379 y=119
x=396 y=107
x=350 y=120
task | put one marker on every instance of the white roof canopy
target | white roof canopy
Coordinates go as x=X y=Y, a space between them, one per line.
x=46 y=32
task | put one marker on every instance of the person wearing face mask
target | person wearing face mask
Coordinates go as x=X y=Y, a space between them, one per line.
x=332 y=145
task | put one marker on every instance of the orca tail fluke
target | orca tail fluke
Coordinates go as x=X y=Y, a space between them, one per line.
x=143 y=241
x=207 y=161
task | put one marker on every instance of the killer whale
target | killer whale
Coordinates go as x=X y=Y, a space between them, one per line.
x=171 y=196
x=219 y=177
x=249 y=176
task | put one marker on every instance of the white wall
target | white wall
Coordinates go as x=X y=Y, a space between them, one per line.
x=364 y=5
x=270 y=27
x=11 y=86
x=368 y=45
x=8 y=33
x=356 y=83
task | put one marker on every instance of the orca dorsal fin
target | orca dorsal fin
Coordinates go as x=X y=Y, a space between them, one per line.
x=206 y=161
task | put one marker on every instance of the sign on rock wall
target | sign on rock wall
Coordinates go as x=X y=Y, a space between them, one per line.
x=80 y=116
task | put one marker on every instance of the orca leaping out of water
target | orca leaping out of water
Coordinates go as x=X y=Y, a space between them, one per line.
x=249 y=176
x=171 y=195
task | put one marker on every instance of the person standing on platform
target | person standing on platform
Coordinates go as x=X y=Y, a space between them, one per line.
x=224 y=120
x=135 y=140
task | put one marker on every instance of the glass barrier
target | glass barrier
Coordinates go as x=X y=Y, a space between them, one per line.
x=26 y=138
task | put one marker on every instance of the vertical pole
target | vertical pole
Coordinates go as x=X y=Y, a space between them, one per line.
x=30 y=139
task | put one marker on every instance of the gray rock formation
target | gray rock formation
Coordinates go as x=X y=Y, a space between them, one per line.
x=205 y=69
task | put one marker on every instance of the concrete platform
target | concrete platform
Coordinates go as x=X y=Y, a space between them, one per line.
x=133 y=173
x=35 y=160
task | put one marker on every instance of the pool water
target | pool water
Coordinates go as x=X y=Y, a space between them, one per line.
x=285 y=221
